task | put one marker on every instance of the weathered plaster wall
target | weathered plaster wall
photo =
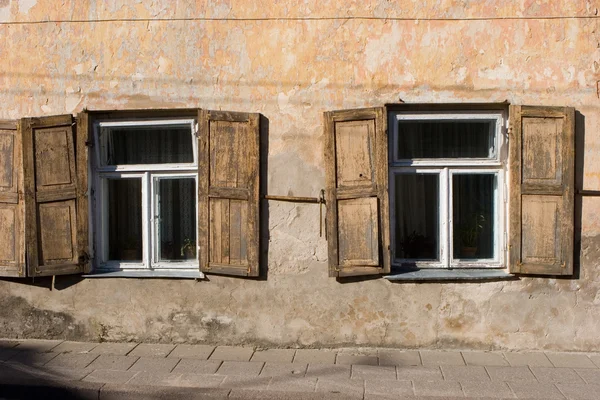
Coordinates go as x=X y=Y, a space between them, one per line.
x=291 y=71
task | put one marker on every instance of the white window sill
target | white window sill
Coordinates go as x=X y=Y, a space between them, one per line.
x=439 y=274
x=156 y=273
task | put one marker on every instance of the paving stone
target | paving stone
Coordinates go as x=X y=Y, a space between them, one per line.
x=232 y=353
x=498 y=390
x=194 y=366
x=200 y=380
x=484 y=358
x=419 y=374
x=242 y=394
x=511 y=374
x=274 y=355
x=530 y=359
x=352 y=388
x=8 y=343
x=112 y=362
x=246 y=368
x=38 y=345
x=595 y=359
x=431 y=358
x=134 y=392
x=570 y=360
x=293 y=385
x=154 y=364
x=314 y=356
x=556 y=375
x=579 y=391
x=151 y=378
x=247 y=382
x=351 y=359
x=589 y=375
x=284 y=369
x=465 y=373
x=403 y=358
x=199 y=351
x=530 y=390
x=72 y=360
x=120 y=349
x=68 y=373
x=30 y=358
x=423 y=388
x=388 y=389
x=7 y=354
x=373 y=372
x=152 y=350
x=109 y=376
x=74 y=347
x=329 y=371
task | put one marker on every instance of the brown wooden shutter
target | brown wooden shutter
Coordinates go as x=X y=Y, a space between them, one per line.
x=51 y=196
x=542 y=161
x=228 y=192
x=12 y=204
x=357 y=192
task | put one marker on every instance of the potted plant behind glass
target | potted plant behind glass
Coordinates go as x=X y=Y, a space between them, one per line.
x=468 y=234
x=188 y=249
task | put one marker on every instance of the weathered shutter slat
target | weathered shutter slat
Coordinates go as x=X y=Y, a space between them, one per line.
x=228 y=192
x=12 y=205
x=53 y=218
x=542 y=162
x=357 y=192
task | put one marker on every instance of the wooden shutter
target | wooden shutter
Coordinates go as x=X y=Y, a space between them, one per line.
x=53 y=219
x=228 y=192
x=542 y=161
x=357 y=192
x=12 y=204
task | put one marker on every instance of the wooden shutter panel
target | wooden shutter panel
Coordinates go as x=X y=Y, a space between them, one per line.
x=357 y=192
x=53 y=219
x=228 y=192
x=542 y=162
x=12 y=204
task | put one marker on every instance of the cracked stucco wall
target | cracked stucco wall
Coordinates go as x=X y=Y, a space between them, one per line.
x=291 y=71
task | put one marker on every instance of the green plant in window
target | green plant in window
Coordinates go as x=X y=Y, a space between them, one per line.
x=469 y=232
x=188 y=248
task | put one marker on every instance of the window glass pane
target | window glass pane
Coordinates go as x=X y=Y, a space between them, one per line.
x=177 y=216
x=446 y=139
x=473 y=213
x=125 y=219
x=417 y=216
x=157 y=144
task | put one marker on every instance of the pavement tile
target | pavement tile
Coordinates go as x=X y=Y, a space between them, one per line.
x=38 y=345
x=152 y=378
x=570 y=360
x=200 y=380
x=133 y=392
x=154 y=364
x=419 y=374
x=484 y=358
x=579 y=391
x=109 y=376
x=284 y=369
x=351 y=359
x=74 y=347
x=352 y=388
x=199 y=351
x=33 y=359
x=530 y=390
x=328 y=371
x=72 y=360
x=274 y=355
x=388 y=389
x=595 y=359
x=232 y=353
x=431 y=358
x=247 y=382
x=245 y=368
x=119 y=349
x=556 y=375
x=8 y=343
x=194 y=366
x=242 y=394
x=464 y=373
x=498 y=390
x=373 y=372
x=152 y=350
x=314 y=356
x=293 y=385
x=423 y=388
x=532 y=359
x=589 y=375
x=112 y=362
x=7 y=354
x=403 y=358
x=68 y=373
x=511 y=374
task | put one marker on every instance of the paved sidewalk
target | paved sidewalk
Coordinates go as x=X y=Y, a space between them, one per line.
x=132 y=370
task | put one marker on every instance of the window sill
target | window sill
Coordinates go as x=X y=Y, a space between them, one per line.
x=457 y=275
x=176 y=274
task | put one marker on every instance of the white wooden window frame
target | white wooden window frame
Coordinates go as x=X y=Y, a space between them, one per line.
x=446 y=168
x=148 y=173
